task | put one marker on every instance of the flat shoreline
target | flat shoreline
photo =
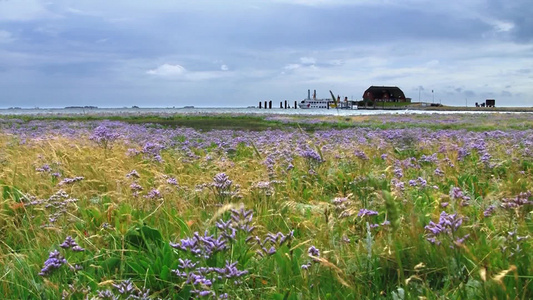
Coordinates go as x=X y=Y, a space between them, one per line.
x=484 y=109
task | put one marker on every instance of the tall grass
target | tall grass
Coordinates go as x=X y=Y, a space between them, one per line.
x=354 y=208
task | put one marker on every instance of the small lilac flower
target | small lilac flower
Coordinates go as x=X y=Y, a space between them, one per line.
x=398 y=173
x=361 y=155
x=153 y=194
x=71 y=180
x=313 y=251
x=133 y=174
x=221 y=181
x=311 y=155
x=71 y=243
x=519 y=201
x=136 y=187
x=125 y=287
x=54 y=261
x=366 y=212
x=489 y=211
x=172 y=181
x=104 y=136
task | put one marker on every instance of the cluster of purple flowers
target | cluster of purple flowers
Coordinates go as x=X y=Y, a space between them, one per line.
x=221 y=182
x=223 y=186
x=429 y=158
x=56 y=260
x=104 y=136
x=438 y=172
x=360 y=154
x=457 y=194
x=397 y=184
x=366 y=212
x=152 y=151
x=125 y=289
x=341 y=205
x=172 y=181
x=70 y=243
x=265 y=186
x=489 y=211
x=418 y=182
x=56 y=205
x=135 y=187
x=446 y=228
x=47 y=169
x=521 y=200
x=153 y=194
x=314 y=253
x=133 y=174
x=71 y=180
x=311 y=155
x=203 y=247
x=398 y=172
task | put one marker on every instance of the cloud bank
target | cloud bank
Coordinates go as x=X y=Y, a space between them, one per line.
x=123 y=53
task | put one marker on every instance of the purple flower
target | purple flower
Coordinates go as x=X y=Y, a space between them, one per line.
x=311 y=155
x=398 y=172
x=366 y=212
x=313 y=251
x=54 y=261
x=221 y=181
x=104 y=136
x=172 y=181
x=361 y=154
x=153 y=194
x=447 y=226
x=71 y=180
x=519 y=201
x=71 y=243
x=136 y=187
x=133 y=174
x=125 y=287
x=489 y=211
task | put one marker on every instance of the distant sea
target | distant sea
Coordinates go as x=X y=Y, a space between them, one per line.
x=216 y=110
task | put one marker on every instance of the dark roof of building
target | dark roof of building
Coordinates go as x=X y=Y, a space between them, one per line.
x=380 y=92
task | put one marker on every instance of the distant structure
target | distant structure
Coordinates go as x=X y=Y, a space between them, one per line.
x=384 y=94
x=490 y=103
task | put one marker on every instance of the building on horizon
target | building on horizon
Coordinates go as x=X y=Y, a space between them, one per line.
x=384 y=94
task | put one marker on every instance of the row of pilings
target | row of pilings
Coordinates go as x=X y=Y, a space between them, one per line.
x=282 y=105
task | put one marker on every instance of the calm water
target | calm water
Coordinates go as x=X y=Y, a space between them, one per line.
x=218 y=110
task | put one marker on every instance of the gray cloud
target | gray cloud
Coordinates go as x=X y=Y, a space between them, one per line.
x=96 y=52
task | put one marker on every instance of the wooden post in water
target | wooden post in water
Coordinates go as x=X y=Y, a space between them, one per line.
x=270 y=104
x=285 y=104
x=260 y=104
x=266 y=105
x=280 y=104
x=295 y=105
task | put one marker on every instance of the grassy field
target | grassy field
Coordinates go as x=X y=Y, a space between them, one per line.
x=277 y=207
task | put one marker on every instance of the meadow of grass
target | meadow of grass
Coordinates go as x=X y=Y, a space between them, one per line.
x=180 y=207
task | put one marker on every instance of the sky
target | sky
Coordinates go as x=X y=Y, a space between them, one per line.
x=209 y=53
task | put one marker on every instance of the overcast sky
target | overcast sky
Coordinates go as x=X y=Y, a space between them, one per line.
x=239 y=52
